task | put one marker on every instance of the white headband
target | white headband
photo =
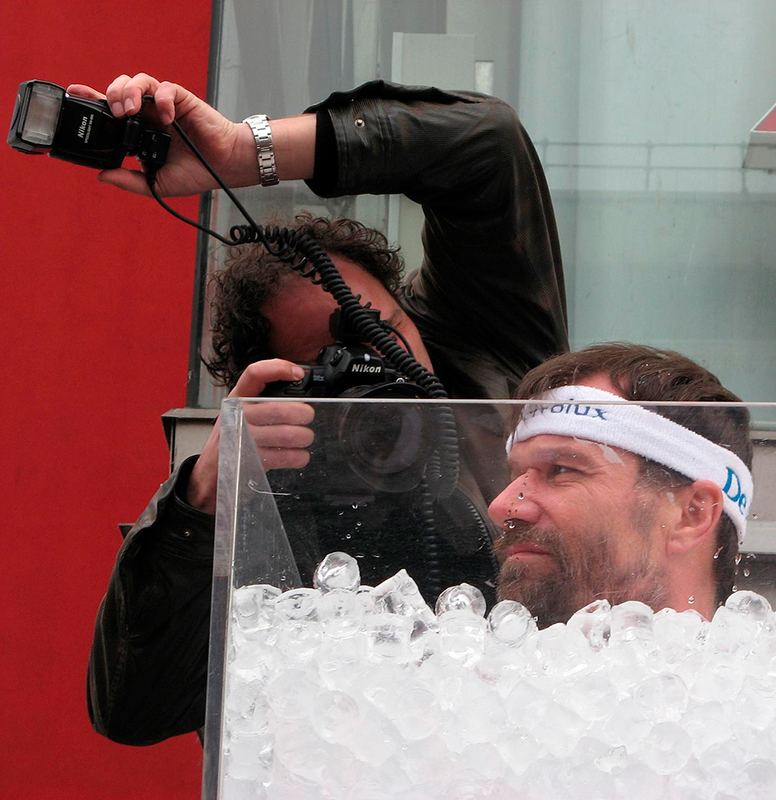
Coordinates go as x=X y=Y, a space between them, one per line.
x=643 y=432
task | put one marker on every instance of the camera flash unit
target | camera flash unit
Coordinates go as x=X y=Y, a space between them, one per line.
x=48 y=120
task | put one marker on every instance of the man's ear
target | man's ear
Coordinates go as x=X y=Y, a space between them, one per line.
x=698 y=508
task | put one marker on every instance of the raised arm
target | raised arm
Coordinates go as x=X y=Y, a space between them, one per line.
x=489 y=297
x=229 y=147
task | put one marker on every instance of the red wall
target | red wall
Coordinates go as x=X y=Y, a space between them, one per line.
x=96 y=293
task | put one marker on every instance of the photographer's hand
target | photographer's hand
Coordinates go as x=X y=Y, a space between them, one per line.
x=278 y=428
x=229 y=147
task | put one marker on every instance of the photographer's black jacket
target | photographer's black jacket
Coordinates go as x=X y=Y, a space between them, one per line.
x=488 y=301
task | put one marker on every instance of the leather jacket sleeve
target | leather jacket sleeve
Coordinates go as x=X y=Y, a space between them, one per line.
x=148 y=665
x=489 y=298
x=488 y=301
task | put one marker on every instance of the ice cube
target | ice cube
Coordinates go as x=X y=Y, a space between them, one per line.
x=399 y=594
x=638 y=781
x=376 y=738
x=463 y=597
x=631 y=620
x=519 y=749
x=302 y=752
x=337 y=571
x=719 y=678
x=629 y=725
x=340 y=613
x=300 y=640
x=417 y=713
x=425 y=760
x=733 y=632
x=526 y=701
x=667 y=748
x=482 y=758
x=248 y=601
x=613 y=761
x=592 y=696
x=756 y=703
x=594 y=623
x=679 y=634
x=333 y=716
x=296 y=604
x=388 y=637
x=751 y=605
x=250 y=757
x=290 y=694
x=692 y=782
x=558 y=650
x=462 y=636
x=511 y=623
x=587 y=781
x=236 y=789
x=559 y=729
x=664 y=697
x=758 y=780
x=707 y=724
x=480 y=717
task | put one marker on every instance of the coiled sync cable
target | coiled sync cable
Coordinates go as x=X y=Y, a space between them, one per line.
x=304 y=255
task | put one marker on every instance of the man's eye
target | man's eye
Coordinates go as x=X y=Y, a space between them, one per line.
x=561 y=469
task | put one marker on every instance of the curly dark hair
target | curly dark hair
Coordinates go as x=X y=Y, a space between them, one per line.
x=646 y=373
x=240 y=332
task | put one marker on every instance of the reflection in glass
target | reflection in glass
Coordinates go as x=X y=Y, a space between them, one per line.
x=329 y=681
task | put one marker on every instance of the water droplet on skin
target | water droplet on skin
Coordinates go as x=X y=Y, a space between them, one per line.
x=521 y=496
x=750 y=555
x=738 y=559
x=755 y=516
x=719 y=550
x=747 y=572
x=354 y=506
x=691 y=600
x=348 y=535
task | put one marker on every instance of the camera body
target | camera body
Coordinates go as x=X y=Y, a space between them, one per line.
x=365 y=447
x=346 y=370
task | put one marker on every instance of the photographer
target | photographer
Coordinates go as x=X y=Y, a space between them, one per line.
x=485 y=306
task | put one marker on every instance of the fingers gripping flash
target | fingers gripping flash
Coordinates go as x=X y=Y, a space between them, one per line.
x=48 y=120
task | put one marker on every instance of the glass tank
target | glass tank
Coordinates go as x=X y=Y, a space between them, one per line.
x=494 y=600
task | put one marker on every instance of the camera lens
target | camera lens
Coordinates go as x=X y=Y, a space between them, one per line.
x=386 y=444
x=385 y=437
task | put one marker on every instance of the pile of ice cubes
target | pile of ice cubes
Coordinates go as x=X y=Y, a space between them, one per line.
x=357 y=693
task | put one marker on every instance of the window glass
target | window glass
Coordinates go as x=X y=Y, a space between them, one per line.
x=641 y=114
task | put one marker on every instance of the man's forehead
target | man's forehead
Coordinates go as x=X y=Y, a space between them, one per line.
x=547 y=448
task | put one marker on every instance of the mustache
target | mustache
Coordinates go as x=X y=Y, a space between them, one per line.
x=515 y=531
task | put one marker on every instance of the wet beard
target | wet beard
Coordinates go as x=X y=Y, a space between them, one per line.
x=575 y=576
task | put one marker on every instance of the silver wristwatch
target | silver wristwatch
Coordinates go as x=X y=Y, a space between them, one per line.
x=265 y=154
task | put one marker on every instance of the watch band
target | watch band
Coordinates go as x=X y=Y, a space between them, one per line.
x=265 y=153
